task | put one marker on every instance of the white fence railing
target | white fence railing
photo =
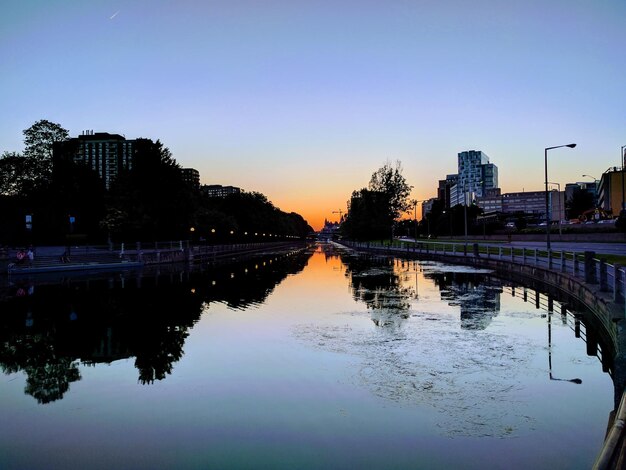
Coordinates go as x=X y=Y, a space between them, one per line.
x=583 y=265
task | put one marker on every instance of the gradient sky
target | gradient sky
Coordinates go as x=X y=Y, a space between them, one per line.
x=304 y=100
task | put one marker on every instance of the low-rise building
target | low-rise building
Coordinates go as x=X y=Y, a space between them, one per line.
x=611 y=191
x=530 y=203
x=217 y=190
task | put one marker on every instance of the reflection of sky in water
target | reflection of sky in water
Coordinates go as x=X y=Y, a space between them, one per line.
x=347 y=364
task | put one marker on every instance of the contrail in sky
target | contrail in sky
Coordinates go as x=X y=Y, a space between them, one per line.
x=114 y=15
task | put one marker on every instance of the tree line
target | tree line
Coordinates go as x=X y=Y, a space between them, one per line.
x=42 y=201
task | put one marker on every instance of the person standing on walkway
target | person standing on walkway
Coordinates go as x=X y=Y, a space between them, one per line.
x=31 y=255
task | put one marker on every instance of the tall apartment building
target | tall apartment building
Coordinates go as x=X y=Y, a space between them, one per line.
x=191 y=176
x=476 y=175
x=107 y=154
x=444 y=189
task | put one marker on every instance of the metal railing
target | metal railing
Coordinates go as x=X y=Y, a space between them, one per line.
x=582 y=265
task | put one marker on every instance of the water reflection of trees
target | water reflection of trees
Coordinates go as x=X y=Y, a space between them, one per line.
x=48 y=374
x=374 y=281
x=147 y=315
x=383 y=284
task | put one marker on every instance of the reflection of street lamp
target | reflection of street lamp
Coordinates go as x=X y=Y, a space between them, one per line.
x=547 y=196
x=574 y=381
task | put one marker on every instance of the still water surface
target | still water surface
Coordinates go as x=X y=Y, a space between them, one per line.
x=315 y=359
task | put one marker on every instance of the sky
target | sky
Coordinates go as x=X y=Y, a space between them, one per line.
x=304 y=100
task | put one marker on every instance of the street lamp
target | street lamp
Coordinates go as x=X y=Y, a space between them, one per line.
x=546 y=186
x=449 y=220
x=465 y=207
x=466 y=200
x=595 y=189
x=622 y=157
x=414 y=202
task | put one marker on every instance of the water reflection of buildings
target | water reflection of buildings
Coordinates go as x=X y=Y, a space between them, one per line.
x=142 y=314
x=477 y=296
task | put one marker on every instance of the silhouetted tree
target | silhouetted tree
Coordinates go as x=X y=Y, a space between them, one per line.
x=372 y=212
x=246 y=212
x=151 y=201
x=18 y=174
x=389 y=181
x=76 y=190
x=38 y=142
x=368 y=216
x=152 y=195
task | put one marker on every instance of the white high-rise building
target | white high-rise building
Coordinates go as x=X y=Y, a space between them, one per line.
x=475 y=176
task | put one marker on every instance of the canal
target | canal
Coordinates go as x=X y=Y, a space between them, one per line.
x=319 y=358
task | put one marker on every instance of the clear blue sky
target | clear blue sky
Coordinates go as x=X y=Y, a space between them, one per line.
x=304 y=100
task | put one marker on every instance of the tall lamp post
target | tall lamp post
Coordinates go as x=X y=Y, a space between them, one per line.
x=467 y=198
x=622 y=157
x=414 y=202
x=465 y=207
x=547 y=194
x=595 y=189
